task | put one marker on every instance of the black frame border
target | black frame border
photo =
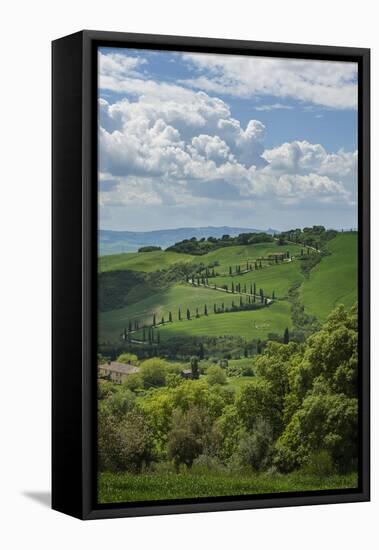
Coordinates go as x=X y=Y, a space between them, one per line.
x=75 y=453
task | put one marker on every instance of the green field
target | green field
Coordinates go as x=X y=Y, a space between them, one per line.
x=111 y=323
x=238 y=255
x=142 y=261
x=126 y=487
x=248 y=324
x=160 y=259
x=334 y=281
x=276 y=278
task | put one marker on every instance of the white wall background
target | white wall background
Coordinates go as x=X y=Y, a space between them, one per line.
x=27 y=29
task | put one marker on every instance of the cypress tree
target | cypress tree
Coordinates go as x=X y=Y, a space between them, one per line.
x=188 y=314
x=230 y=270
x=169 y=317
x=201 y=350
x=214 y=308
x=154 y=320
x=244 y=288
x=179 y=315
x=286 y=336
x=205 y=309
x=255 y=289
x=162 y=321
x=197 y=313
x=195 y=367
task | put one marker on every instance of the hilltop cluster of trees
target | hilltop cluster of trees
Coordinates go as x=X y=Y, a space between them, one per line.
x=315 y=236
x=149 y=248
x=203 y=246
x=299 y=411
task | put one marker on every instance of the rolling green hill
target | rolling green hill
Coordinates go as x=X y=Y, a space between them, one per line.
x=183 y=296
x=142 y=261
x=235 y=255
x=247 y=324
x=276 y=277
x=334 y=280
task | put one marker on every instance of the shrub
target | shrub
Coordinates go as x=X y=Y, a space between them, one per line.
x=320 y=464
x=133 y=382
x=126 y=445
x=256 y=449
x=128 y=358
x=153 y=372
x=216 y=375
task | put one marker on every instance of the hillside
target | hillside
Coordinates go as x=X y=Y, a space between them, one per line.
x=142 y=261
x=335 y=280
x=114 y=242
x=222 y=295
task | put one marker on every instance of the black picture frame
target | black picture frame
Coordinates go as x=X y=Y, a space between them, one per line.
x=74 y=205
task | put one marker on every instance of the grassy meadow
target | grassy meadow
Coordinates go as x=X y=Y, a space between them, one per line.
x=335 y=279
x=114 y=487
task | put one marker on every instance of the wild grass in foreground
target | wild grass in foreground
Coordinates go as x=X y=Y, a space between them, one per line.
x=126 y=487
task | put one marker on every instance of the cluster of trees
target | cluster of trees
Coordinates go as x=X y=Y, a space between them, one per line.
x=315 y=236
x=300 y=409
x=203 y=246
x=149 y=248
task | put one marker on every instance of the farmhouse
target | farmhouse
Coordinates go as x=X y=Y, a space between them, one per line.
x=186 y=373
x=116 y=372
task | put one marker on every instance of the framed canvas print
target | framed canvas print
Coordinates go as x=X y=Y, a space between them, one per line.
x=210 y=274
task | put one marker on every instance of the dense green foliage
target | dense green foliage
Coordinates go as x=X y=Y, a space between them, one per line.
x=292 y=422
x=315 y=236
x=149 y=248
x=204 y=246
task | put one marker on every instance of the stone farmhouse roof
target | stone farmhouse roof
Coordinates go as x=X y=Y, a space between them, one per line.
x=121 y=368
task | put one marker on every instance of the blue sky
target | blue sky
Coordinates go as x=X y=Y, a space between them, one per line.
x=201 y=139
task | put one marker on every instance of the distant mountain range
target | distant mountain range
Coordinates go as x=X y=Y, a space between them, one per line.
x=116 y=242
